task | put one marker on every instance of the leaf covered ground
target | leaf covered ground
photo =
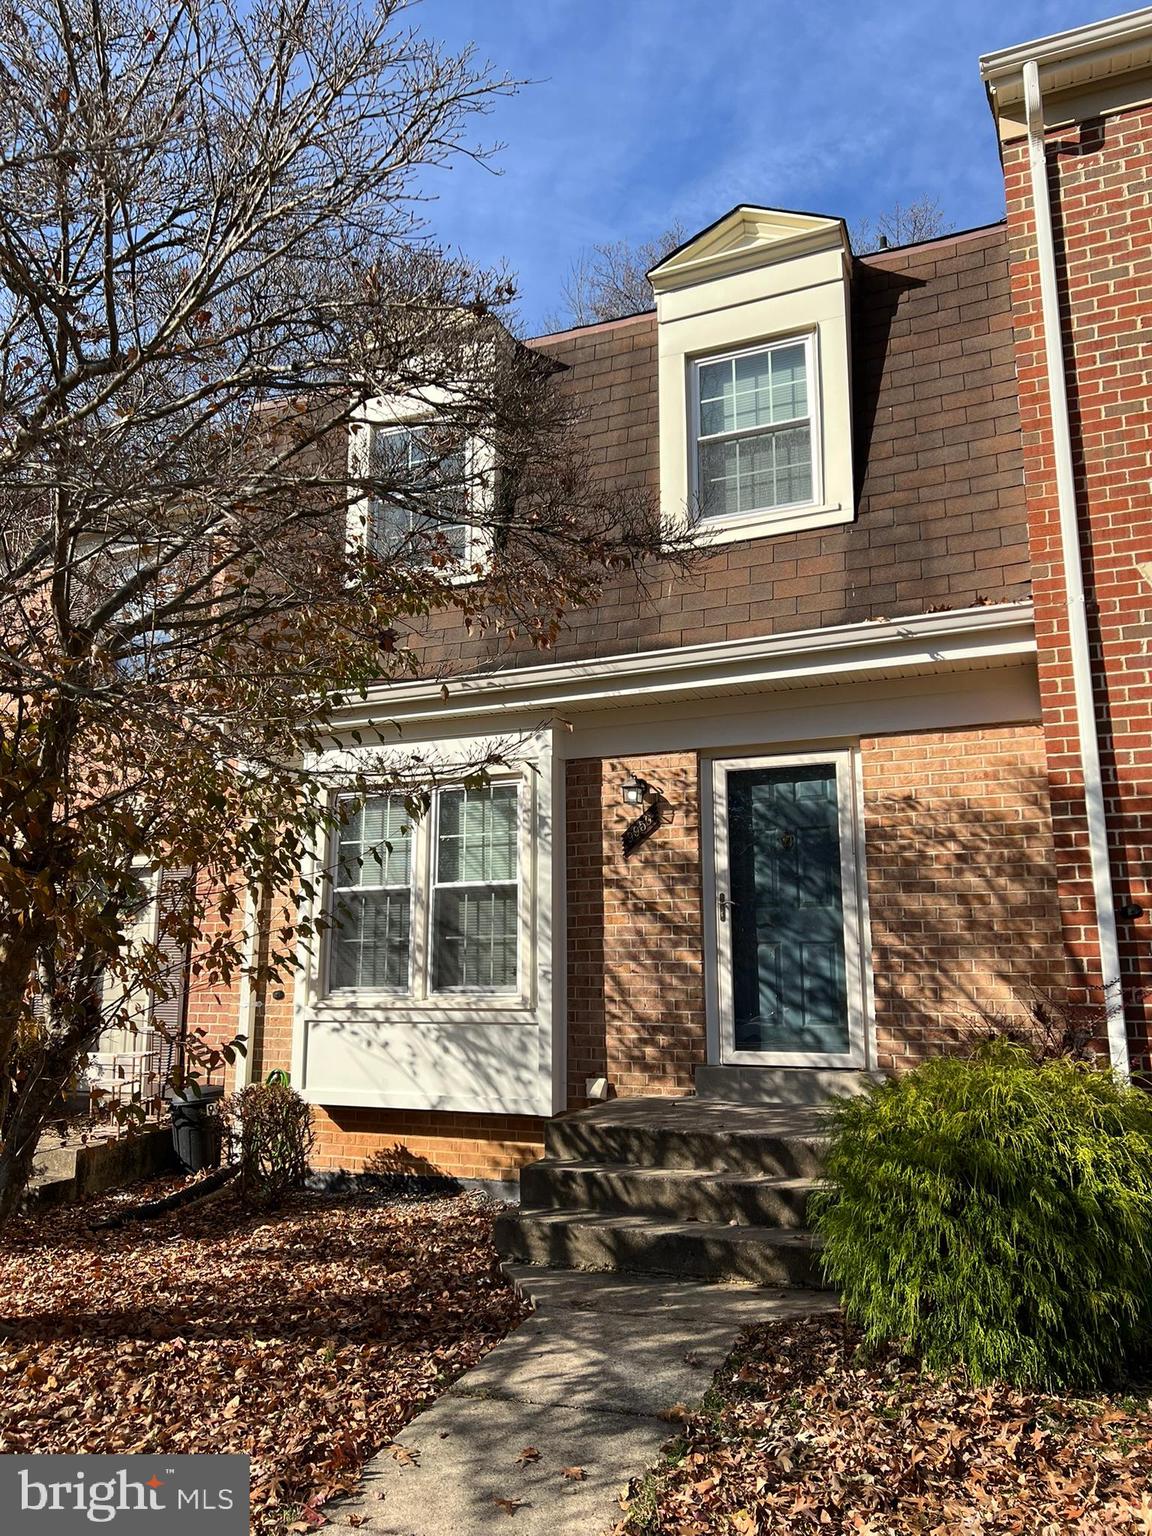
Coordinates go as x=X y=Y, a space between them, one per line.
x=306 y=1337
x=803 y=1434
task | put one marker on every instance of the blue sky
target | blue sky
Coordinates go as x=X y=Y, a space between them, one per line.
x=648 y=111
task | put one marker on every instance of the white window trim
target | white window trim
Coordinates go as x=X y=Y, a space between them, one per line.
x=419 y=1002
x=758 y=519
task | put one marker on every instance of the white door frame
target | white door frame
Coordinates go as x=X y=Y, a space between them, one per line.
x=718 y=934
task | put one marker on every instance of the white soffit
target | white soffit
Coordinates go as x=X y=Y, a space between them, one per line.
x=1109 y=60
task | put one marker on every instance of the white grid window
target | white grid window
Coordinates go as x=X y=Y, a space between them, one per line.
x=431 y=500
x=754 y=430
x=476 y=890
x=372 y=898
x=432 y=907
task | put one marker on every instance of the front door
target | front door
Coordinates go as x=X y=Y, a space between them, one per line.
x=787 y=925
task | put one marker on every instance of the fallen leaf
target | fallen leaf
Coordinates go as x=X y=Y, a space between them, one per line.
x=529 y=1453
x=509 y=1506
x=314 y=1334
x=577 y=1474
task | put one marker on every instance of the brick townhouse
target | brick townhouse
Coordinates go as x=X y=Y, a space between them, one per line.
x=891 y=743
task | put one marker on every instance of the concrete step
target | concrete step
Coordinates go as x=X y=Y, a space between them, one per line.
x=691 y=1134
x=652 y=1246
x=681 y=1194
x=781 y=1085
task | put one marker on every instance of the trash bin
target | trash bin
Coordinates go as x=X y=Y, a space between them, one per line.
x=195 y=1136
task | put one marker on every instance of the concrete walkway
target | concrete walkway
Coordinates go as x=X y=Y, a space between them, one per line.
x=583 y=1383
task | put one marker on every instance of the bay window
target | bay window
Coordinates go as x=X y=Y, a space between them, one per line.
x=432 y=907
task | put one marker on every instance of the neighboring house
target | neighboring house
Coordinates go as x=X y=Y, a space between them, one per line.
x=141 y=1048
x=885 y=783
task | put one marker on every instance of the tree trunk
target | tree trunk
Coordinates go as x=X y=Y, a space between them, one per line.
x=18 y=953
x=33 y=1102
x=25 y=1125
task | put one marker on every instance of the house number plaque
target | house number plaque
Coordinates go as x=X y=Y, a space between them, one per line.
x=640 y=830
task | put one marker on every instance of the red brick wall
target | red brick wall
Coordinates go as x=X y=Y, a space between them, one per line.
x=1100 y=179
x=492 y=1147
x=213 y=1004
x=963 y=913
x=961 y=888
x=635 y=951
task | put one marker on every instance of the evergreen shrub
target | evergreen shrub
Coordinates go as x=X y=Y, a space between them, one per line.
x=994 y=1213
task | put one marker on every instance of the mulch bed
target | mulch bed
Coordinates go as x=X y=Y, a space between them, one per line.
x=801 y=1433
x=306 y=1337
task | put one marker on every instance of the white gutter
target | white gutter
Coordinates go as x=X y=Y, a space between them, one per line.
x=1084 y=692
x=993 y=634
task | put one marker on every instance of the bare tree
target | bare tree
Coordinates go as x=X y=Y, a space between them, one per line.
x=609 y=281
x=212 y=258
x=902 y=224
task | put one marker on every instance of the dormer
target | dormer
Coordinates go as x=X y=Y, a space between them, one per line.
x=755 y=404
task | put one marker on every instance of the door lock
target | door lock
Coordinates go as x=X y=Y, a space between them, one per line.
x=725 y=903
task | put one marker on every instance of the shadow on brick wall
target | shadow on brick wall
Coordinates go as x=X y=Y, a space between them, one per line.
x=635 y=947
x=964 y=910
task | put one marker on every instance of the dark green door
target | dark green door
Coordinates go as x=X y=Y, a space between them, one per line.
x=786 y=911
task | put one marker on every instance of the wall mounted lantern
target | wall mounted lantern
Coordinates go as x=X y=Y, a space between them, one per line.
x=635 y=790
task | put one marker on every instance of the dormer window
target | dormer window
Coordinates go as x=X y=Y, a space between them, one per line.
x=755 y=389
x=429 y=509
x=754 y=429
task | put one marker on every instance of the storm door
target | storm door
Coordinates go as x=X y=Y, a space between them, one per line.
x=787 y=925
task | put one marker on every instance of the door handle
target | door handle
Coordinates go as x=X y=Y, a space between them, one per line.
x=725 y=903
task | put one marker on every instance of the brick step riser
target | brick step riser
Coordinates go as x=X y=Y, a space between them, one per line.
x=694 y=1199
x=685 y=1254
x=571 y=1141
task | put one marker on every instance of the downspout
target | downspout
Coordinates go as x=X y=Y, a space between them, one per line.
x=1083 y=689
x=246 y=1020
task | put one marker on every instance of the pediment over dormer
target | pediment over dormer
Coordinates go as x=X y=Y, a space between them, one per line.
x=746 y=238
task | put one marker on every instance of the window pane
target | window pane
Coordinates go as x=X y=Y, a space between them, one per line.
x=717 y=412
x=793 y=465
x=763 y=469
x=789 y=383
x=757 y=477
x=375 y=845
x=718 y=478
x=474 y=937
x=477 y=834
x=754 y=390
x=370 y=942
x=757 y=389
